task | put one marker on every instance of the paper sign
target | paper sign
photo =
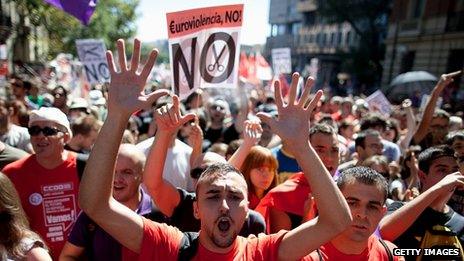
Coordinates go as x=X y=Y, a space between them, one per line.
x=92 y=54
x=204 y=48
x=378 y=102
x=281 y=60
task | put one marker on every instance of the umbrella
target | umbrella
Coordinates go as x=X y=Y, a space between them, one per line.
x=416 y=76
x=410 y=84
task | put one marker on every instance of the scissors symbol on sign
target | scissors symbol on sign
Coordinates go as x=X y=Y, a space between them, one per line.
x=216 y=65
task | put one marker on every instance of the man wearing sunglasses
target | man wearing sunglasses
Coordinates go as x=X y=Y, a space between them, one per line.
x=47 y=181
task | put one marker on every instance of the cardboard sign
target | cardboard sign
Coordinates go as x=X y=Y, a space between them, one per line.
x=281 y=60
x=378 y=102
x=204 y=47
x=92 y=54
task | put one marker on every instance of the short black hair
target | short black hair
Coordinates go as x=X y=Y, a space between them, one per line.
x=364 y=175
x=321 y=128
x=453 y=136
x=361 y=138
x=372 y=121
x=427 y=156
x=216 y=171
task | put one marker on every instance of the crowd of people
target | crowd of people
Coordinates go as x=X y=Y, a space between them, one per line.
x=131 y=174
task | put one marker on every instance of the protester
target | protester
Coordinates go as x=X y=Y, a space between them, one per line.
x=406 y=224
x=221 y=202
x=47 y=181
x=17 y=241
x=283 y=206
x=12 y=134
x=366 y=193
x=85 y=131
x=260 y=172
x=87 y=240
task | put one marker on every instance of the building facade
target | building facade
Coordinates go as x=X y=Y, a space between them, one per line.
x=425 y=35
x=313 y=42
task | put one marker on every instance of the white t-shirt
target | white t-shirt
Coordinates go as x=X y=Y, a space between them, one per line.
x=177 y=165
x=18 y=137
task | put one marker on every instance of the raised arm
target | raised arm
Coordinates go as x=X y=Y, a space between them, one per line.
x=95 y=193
x=164 y=194
x=424 y=125
x=251 y=135
x=393 y=225
x=292 y=126
x=411 y=124
x=195 y=140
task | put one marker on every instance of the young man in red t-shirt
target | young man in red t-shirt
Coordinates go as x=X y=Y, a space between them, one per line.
x=366 y=191
x=222 y=203
x=47 y=181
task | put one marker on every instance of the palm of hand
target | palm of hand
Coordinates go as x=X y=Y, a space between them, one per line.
x=126 y=91
x=293 y=122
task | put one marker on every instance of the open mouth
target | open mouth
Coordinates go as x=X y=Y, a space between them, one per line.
x=224 y=224
x=118 y=188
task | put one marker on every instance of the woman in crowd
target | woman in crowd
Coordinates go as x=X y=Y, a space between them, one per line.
x=260 y=171
x=17 y=242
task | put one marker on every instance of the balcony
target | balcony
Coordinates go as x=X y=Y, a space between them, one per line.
x=306 y=6
x=410 y=27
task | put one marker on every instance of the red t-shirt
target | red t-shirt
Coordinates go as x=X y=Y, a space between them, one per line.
x=48 y=196
x=162 y=242
x=375 y=251
x=289 y=196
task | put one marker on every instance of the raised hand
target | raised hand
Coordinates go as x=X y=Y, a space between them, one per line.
x=292 y=124
x=126 y=95
x=169 y=119
x=446 y=79
x=195 y=138
x=252 y=132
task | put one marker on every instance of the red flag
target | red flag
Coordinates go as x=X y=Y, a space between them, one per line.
x=243 y=65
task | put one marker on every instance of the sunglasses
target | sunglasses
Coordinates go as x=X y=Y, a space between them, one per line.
x=47 y=131
x=196 y=172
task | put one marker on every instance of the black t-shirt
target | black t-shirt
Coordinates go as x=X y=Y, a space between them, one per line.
x=182 y=217
x=427 y=219
x=213 y=135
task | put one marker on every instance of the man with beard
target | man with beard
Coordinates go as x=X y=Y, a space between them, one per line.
x=221 y=203
x=283 y=206
x=366 y=191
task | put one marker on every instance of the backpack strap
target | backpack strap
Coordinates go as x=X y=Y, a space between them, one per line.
x=387 y=249
x=188 y=246
x=318 y=251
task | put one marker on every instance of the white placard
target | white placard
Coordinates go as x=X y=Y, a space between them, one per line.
x=92 y=54
x=281 y=60
x=378 y=102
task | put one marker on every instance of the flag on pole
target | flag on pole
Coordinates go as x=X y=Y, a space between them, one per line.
x=81 y=9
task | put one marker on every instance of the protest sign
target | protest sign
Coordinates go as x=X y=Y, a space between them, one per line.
x=204 y=47
x=378 y=102
x=281 y=61
x=92 y=54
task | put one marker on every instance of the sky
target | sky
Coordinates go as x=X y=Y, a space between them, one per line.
x=151 y=25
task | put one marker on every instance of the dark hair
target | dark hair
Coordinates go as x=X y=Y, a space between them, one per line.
x=405 y=171
x=65 y=92
x=321 y=128
x=453 y=136
x=216 y=171
x=361 y=138
x=393 y=124
x=85 y=124
x=427 y=156
x=372 y=121
x=257 y=157
x=365 y=176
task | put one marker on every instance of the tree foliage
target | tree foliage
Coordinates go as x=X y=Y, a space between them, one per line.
x=368 y=18
x=112 y=19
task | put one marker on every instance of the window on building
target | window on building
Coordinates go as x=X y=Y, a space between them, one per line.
x=417 y=8
x=296 y=28
x=348 y=38
x=324 y=39
x=407 y=61
x=339 y=38
x=332 y=38
x=318 y=38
